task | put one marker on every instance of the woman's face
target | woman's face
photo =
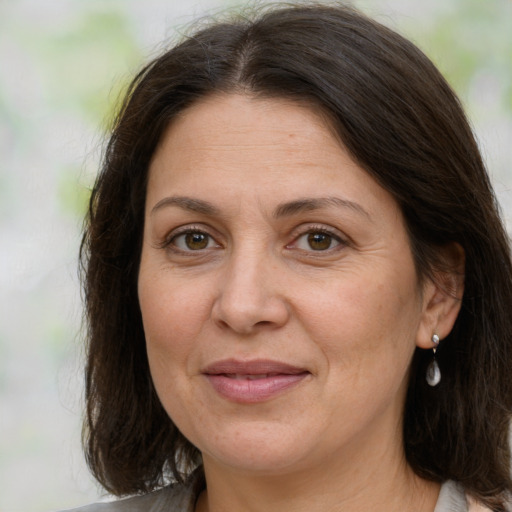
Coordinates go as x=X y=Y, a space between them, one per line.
x=279 y=296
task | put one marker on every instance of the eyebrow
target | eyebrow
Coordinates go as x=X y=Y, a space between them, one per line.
x=187 y=203
x=283 y=210
x=317 y=203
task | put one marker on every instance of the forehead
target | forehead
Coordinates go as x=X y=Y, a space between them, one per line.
x=245 y=120
x=246 y=129
x=237 y=146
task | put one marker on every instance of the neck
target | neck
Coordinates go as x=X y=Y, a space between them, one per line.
x=379 y=480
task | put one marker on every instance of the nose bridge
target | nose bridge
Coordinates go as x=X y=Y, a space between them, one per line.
x=248 y=296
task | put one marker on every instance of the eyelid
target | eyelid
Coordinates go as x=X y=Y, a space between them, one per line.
x=305 y=229
x=298 y=232
x=166 y=242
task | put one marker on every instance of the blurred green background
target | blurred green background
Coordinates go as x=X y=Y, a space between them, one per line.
x=63 y=64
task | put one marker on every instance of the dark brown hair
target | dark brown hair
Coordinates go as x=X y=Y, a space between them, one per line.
x=401 y=122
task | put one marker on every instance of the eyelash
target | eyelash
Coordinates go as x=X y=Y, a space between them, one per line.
x=170 y=241
x=334 y=237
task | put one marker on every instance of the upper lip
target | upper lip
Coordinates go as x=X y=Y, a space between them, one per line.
x=252 y=367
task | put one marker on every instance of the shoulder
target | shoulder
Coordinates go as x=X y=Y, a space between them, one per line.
x=173 y=498
x=452 y=498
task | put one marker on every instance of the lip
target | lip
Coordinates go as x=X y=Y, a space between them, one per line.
x=252 y=381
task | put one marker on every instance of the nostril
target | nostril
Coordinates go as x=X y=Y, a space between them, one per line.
x=263 y=323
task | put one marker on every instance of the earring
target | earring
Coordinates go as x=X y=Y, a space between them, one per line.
x=433 y=371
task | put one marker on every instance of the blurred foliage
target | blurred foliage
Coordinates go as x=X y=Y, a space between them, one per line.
x=4 y=348
x=78 y=68
x=7 y=121
x=73 y=199
x=83 y=59
x=473 y=38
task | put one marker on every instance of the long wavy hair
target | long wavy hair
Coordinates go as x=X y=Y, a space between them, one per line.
x=402 y=123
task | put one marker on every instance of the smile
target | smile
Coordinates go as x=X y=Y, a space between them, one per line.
x=250 y=377
x=252 y=381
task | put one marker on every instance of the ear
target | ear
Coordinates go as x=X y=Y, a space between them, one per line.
x=442 y=296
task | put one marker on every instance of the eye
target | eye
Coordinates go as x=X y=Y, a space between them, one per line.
x=317 y=241
x=193 y=241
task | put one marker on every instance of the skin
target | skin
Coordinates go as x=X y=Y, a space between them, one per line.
x=330 y=288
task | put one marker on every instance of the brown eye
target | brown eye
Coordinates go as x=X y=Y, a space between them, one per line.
x=193 y=241
x=317 y=241
x=320 y=241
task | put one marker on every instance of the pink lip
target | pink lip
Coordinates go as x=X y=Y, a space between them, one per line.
x=252 y=381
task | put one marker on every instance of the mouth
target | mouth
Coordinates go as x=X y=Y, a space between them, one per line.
x=253 y=381
x=238 y=376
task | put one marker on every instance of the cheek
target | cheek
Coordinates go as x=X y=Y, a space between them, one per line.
x=171 y=319
x=172 y=315
x=364 y=324
x=368 y=343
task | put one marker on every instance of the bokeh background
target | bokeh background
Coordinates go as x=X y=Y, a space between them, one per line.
x=63 y=64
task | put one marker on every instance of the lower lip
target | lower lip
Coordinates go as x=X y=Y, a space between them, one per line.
x=253 y=391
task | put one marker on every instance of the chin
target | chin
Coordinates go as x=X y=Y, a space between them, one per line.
x=257 y=450
x=256 y=461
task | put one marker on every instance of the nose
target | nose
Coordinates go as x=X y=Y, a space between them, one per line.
x=249 y=298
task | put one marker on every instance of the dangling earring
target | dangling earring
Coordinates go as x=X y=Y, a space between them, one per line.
x=433 y=371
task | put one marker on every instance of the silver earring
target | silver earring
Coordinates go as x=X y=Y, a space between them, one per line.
x=433 y=371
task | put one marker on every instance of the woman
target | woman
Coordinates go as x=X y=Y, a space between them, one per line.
x=297 y=282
